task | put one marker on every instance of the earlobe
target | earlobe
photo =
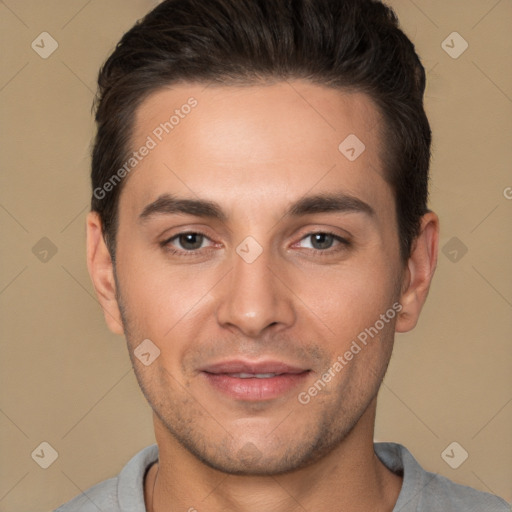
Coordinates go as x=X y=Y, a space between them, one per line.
x=418 y=275
x=101 y=271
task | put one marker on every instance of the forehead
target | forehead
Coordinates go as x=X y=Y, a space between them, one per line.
x=259 y=141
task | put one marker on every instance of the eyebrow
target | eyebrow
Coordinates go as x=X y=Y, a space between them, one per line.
x=167 y=204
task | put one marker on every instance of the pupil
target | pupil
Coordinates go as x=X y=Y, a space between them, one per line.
x=191 y=241
x=322 y=240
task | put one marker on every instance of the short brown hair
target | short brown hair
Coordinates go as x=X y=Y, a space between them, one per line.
x=346 y=44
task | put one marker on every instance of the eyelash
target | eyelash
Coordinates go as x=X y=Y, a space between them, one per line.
x=344 y=243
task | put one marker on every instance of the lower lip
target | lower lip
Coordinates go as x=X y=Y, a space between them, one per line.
x=254 y=389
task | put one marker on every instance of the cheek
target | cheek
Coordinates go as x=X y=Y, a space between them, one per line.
x=164 y=298
x=163 y=303
x=348 y=298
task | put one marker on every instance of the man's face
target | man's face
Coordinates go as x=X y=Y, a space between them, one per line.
x=253 y=290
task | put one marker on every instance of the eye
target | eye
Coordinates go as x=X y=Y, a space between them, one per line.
x=185 y=242
x=323 y=241
x=190 y=243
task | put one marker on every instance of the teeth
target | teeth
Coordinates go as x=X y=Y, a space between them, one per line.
x=253 y=375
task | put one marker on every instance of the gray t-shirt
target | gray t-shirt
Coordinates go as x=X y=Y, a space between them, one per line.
x=421 y=491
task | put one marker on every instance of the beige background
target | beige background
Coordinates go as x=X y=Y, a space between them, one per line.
x=67 y=381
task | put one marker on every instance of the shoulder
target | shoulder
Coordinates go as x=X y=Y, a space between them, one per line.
x=101 y=496
x=422 y=490
x=451 y=496
x=124 y=492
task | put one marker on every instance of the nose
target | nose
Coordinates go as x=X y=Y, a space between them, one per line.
x=253 y=297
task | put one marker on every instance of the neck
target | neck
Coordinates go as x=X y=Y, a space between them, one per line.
x=350 y=478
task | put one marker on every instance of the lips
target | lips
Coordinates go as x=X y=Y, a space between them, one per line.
x=254 y=381
x=262 y=367
x=253 y=375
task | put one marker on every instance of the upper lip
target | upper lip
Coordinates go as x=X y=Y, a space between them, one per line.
x=240 y=366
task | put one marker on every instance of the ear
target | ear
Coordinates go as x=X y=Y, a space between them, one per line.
x=419 y=272
x=101 y=271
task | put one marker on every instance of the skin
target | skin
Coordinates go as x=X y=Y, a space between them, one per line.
x=255 y=150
